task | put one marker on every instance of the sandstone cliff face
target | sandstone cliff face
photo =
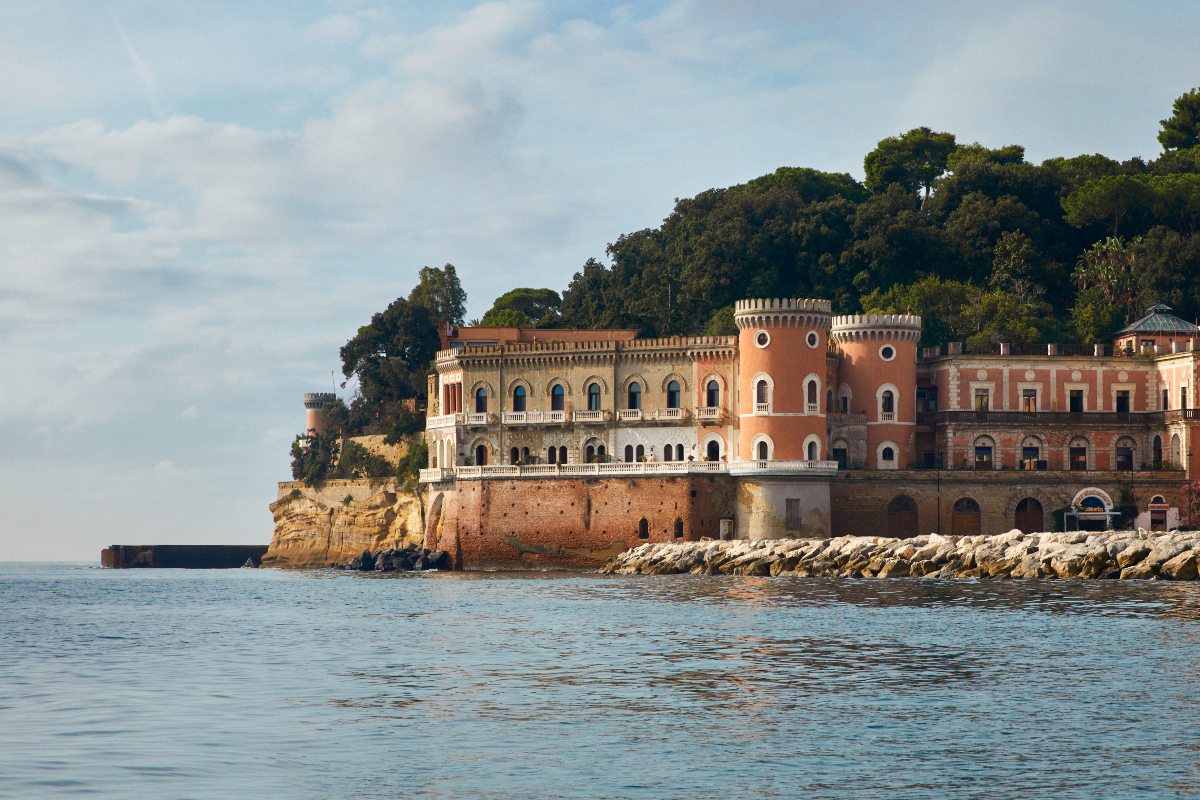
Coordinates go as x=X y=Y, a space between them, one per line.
x=333 y=524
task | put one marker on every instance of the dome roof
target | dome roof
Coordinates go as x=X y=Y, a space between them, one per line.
x=1160 y=320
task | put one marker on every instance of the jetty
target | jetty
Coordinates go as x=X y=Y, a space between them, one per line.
x=182 y=556
x=1124 y=555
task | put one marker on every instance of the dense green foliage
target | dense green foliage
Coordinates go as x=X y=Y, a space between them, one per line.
x=1026 y=252
x=313 y=457
x=525 y=308
x=413 y=462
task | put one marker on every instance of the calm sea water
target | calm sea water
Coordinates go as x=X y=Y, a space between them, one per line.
x=266 y=684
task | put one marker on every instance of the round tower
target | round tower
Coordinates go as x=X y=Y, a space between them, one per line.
x=782 y=346
x=877 y=377
x=313 y=403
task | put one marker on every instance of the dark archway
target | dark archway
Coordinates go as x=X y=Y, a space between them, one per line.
x=1030 y=517
x=902 y=517
x=643 y=529
x=480 y=455
x=964 y=519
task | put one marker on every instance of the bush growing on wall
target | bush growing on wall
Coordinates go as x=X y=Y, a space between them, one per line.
x=313 y=457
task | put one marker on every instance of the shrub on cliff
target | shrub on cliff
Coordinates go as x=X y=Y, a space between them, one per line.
x=357 y=461
x=412 y=462
x=313 y=457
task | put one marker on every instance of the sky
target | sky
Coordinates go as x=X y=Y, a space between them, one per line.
x=201 y=202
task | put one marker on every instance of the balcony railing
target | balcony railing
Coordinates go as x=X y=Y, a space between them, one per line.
x=709 y=413
x=443 y=421
x=479 y=418
x=887 y=416
x=812 y=408
x=589 y=416
x=771 y=467
x=616 y=469
x=762 y=408
x=533 y=417
x=1052 y=417
x=626 y=414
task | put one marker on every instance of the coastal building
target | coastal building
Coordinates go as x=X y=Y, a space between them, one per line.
x=569 y=445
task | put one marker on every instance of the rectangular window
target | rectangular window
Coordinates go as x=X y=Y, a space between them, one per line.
x=794 y=510
x=1122 y=401
x=981 y=400
x=839 y=455
x=1030 y=454
x=845 y=404
x=1166 y=403
x=1183 y=398
x=1076 y=401
x=1078 y=459
x=1029 y=400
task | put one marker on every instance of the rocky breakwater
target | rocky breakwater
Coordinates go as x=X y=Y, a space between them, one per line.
x=1106 y=554
x=332 y=524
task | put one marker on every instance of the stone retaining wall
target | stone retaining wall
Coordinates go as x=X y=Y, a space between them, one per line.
x=1107 y=554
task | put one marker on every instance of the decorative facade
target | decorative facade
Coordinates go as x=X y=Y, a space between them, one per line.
x=804 y=424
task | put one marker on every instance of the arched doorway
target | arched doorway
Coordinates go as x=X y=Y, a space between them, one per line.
x=1157 y=452
x=480 y=455
x=643 y=529
x=964 y=519
x=678 y=528
x=1176 y=451
x=902 y=517
x=713 y=451
x=1029 y=517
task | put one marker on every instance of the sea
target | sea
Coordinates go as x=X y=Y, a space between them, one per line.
x=326 y=684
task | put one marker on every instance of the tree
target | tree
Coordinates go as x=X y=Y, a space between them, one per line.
x=439 y=291
x=525 y=308
x=1181 y=130
x=390 y=358
x=1111 y=267
x=313 y=457
x=1012 y=154
x=914 y=160
x=1110 y=201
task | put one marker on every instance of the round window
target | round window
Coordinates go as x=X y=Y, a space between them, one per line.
x=762 y=339
x=887 y=352
x=813 y=339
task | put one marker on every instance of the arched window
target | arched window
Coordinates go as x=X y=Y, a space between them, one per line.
x=679 y=452
x=635 y=396
x=600 y=453
x=518 y=403
x=887 y=405
x=678 y=528
x=593 y=396
x=589 y=454
x=712 y=394
x=514 y=456
x=761 y=393
x=552 y=455
x=481 y=400
x=668 y=453
x=562 y=454
x=643 y=529
x=558 y=396
x=1157 y=452
x=673 y=394
x=1077 y=454
x=1176 y=451
x=640 y=453
x=1029 y=517
x=888 y=454
x=812 y=451
x=526 y=456
x=810 y=392
x=764 y=451
x=1031 y=453
x=480 y=455
x=1124 y=450
x=628 y=454
x=713 y=451
x=984 y=452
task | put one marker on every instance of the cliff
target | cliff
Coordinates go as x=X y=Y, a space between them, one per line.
x=341 y=519
x=1104 y=554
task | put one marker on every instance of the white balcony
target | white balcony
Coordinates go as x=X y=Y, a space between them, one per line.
x=887 y=416
x=588 y=416
x=781 y=467
x=762 y=408
x=443 y=421
x=514 y=417
x=672 y=413
x=614 y=469
x=554 y=416
x=627 y=414
x=709 y=413
x=812 y=408
x=481 y=418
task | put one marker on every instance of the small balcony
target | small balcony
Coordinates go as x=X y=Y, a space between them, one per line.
x=589 y=417
x=443 y=421
x=887 y=416
x=762 y=408
x=629 y=414
x=709 y=415
x=479 y=418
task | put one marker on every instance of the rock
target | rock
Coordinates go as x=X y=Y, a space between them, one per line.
x=250 y=563
x=1132 y=554
x=1182 y=567
x=364 y=562
x=439 y=559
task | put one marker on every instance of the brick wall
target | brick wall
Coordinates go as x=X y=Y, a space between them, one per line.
x=523 y=523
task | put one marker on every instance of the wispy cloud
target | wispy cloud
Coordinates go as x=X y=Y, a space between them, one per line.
x=145 y=76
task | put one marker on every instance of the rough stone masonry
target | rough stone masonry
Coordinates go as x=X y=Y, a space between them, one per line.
x=1106 y=554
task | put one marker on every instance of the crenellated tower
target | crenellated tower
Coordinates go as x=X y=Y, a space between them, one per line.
x=877 y=378
x=314 y=423
x=782 y=345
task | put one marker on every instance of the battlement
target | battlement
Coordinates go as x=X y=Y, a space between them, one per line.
x=855 y=327
x=773 y=305
x=318 y=399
